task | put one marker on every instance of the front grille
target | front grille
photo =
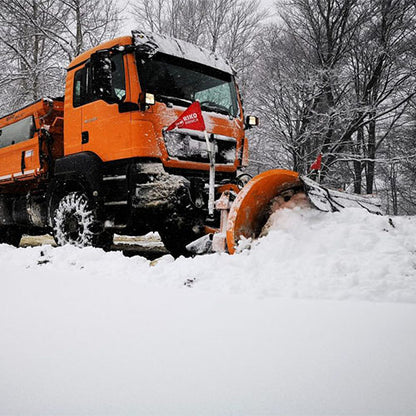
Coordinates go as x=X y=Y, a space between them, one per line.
x=191 y=145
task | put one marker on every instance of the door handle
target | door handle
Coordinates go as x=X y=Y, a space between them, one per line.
x=22 y=162
x=85 y=137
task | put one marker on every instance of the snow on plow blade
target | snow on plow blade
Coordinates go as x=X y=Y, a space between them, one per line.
x=329 y=200
x=250 y=210
x=283 y=188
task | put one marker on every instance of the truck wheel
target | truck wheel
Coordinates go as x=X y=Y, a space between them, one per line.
x=75 y=223
x=10 y=235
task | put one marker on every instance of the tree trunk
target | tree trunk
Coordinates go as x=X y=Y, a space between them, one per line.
x=393 y=186
x=371 y=149
x=358 y=168
x=35 y=56
x=79 y=35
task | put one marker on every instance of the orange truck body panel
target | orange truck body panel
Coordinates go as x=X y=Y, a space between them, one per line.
x=21 y=159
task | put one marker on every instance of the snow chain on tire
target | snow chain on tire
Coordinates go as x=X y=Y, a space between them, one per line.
x=75 y=223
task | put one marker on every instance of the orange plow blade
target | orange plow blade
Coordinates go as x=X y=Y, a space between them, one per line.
x=250 y=210
x=247 y=216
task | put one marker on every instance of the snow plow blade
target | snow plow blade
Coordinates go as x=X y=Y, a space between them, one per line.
x=280 y=188
x=250 y=210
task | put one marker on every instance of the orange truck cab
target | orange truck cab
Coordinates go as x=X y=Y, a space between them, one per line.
x=101 y=161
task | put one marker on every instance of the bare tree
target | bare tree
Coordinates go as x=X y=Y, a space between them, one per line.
x=336 y=77
x=381 y=66
x=227 y=26
x=85 y=23
x=39 y=39
x=286 y=97
x=31 y=57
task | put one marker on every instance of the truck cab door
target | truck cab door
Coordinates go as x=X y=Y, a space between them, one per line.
x=105 y=128
x=76 y=98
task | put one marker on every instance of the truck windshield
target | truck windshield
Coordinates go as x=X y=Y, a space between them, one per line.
x=176 y=81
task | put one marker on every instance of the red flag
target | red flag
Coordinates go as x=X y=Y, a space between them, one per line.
x=317 y=164
x=191 y=118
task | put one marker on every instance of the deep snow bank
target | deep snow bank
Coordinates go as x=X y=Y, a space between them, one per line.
x=307 y=254
x=88 y=332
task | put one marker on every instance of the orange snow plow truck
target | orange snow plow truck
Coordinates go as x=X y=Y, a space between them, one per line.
x=101 y=160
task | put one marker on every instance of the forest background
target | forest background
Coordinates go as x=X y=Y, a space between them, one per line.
x=330 y=77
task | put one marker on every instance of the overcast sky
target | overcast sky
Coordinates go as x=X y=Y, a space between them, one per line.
x=129 y=23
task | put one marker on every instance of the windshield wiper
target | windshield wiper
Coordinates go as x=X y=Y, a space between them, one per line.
x=211 y=106
x=168 y=99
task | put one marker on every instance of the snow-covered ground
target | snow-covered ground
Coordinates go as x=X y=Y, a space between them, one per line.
x=317 y=318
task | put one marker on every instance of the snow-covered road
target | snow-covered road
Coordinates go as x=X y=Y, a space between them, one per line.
x=318 y=317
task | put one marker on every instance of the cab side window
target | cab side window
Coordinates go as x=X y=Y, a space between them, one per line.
x=119 y=81
x=82 y=93
x=80 y=96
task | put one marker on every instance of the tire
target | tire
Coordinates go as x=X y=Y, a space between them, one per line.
x=10 y=235
x=76 y=223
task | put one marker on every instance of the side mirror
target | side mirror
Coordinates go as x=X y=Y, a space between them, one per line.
x=251 y=121
x=102 y=76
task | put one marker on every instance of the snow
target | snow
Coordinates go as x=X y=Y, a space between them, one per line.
x=317 y=317
x=181 y=49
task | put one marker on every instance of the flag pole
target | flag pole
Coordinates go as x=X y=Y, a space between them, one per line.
x=211 y=154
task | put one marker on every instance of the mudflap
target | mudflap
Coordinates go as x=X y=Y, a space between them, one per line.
x=329 y=200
